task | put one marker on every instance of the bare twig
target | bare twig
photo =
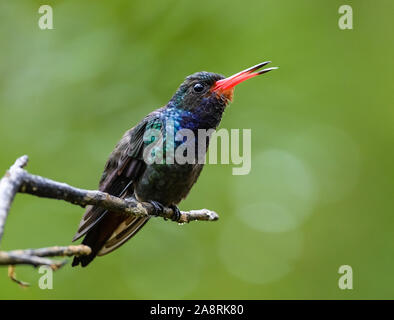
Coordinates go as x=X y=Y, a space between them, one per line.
x=43 y=187
x=17 y=179
x=12 y=276
x=67 y=251
x=9 y=186
x=35 y=257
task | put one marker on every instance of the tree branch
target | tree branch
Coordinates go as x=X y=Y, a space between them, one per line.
x=43 y=187
x=17 y=180
x=9 y=186
x=35 y=257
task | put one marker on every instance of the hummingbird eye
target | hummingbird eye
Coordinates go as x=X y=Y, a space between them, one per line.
x=198 y=87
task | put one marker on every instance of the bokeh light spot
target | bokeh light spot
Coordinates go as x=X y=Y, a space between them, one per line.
x=257 y=257
x=277 y=195
x=332 y=156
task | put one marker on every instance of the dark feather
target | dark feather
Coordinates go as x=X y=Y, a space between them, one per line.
x=124 y=166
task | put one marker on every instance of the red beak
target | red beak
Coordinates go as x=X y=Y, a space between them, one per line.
x=221 y=86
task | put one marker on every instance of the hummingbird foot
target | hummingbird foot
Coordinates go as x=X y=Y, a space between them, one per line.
x=177 y=212
x=159 y=208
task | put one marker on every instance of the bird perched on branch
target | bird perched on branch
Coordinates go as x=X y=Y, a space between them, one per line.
x=198 y=103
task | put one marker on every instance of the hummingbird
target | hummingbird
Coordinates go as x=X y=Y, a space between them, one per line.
x=198 y=103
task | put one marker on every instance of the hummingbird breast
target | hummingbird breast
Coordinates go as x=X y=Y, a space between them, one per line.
x=166 y=183
x=169 y=183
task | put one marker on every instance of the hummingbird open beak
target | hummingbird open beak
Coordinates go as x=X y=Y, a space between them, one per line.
x=225 y=86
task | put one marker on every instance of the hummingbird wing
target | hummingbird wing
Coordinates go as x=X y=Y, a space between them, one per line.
x=130 y=225
x=105 y=232
x=119 y=173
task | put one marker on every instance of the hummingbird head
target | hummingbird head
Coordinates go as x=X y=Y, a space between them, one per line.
x=210 y=89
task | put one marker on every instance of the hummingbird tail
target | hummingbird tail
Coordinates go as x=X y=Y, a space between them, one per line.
x=97 y=236
x=108 y=234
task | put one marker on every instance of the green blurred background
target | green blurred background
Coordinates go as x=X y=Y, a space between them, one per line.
x=320 y=193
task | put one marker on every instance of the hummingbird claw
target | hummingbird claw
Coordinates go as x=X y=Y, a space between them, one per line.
x=159 y=208
x=177 y=212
